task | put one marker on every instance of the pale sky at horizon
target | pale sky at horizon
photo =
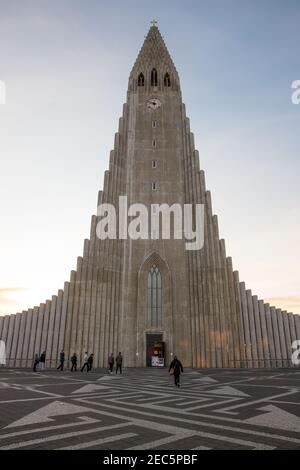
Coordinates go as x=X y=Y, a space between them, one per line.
x=66 y=65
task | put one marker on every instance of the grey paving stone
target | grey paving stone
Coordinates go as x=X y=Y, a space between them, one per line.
x=226 y=409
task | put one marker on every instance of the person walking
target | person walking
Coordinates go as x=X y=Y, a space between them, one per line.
x=176 y=368
x=85 y=362
x=90 y=362
x=111 y=361
x=36 y=361
x=42 y=360
x=61 y=360
x=74 y=362
x=119 y=361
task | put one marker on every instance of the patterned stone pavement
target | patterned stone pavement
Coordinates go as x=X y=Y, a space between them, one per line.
x=213 y=409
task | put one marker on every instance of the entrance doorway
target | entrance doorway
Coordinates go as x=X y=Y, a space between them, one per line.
x=154 y=347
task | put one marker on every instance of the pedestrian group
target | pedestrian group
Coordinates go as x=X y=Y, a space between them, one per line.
x=175 y=368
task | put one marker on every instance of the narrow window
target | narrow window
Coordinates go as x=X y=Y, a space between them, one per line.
x=141 y=80
x=167 y=80
x=154 y=77
x=153 y=124
x=153 y=143
x=154 y=186
x=154 y=163
x=154 y=285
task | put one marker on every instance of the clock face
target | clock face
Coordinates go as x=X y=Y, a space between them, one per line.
x=153 y=103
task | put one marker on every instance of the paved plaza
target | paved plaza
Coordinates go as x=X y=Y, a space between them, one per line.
x=213 y=409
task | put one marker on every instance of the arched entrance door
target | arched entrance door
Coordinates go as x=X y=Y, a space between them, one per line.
x=154 y=311
x=155 y=352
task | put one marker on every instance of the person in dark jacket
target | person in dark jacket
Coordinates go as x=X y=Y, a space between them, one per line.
x=176 y=366
x=90 y=362
x=111 y=361
x=61 y=360
x=74 y=362
x=36 y=361
x=42 y=360
x=119 y=360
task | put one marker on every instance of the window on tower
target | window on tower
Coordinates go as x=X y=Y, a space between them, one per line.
x=154 y=297
x=141 y=80
x=167 y=80
x=154 y=163
x=154 y=77
x=154 y=186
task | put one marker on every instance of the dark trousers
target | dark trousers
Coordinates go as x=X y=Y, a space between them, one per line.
x=119 y=366
x=83 y=367
x=61 y=365
x=34 y=365
x=176 y=379
x=74 y=366
x=111 y=367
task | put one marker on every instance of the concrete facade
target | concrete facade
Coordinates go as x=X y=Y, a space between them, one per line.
x=208 y=317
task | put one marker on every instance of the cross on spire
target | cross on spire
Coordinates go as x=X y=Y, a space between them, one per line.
x=153 y=23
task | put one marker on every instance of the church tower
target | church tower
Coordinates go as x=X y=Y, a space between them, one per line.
x=127 y=293
x=195 y=317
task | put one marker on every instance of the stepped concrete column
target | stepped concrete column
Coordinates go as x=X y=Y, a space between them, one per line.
x=56 y=327
x=276 y=337
x=252 y=328
x=1 y=325
x=15 y=339
x=297 y=327
x=75 y=310
x=62 y=326
x=246 y=326
x=26 y=360
x=293 y=332
x=82 y=317
x=5 y=328
x=50 y=333
x=21 y=339
x=39 y=329
x=282 y=337
x=240 y=318
x=32 y=337
x=8 y=345
x=45 y=326
x=234 y=316
x=69 y=301
x=270 y=335
x=264 y=333
x=257 y=322
x=293 y=336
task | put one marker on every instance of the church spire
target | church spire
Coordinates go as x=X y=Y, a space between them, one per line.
x=154 y=65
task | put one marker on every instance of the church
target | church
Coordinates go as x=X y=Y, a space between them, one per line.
x=150 y=297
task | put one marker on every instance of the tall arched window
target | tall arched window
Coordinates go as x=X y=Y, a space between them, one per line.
x=154 y=77
x=167 y=80
x=141 y=80
x=154 y=297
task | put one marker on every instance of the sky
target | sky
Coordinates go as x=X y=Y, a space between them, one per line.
x=66 y=64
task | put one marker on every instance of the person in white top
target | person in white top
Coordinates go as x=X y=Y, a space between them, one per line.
x=85 y=362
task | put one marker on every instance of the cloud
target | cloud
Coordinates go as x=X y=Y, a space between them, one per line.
x=8 y=302
x=5 y=290
x=289 y=303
